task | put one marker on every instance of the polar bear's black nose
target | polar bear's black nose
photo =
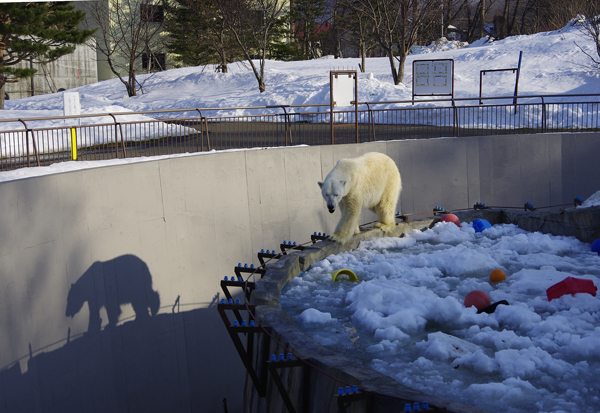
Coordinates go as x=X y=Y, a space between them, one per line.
x=331 y=210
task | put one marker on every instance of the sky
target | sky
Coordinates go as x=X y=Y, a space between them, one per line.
x=530 y=355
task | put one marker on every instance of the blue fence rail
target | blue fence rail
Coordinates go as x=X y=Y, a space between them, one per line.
x=43 y=141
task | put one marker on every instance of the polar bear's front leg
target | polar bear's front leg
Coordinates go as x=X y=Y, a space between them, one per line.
x=348 y=224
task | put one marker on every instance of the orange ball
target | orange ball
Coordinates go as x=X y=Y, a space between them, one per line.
x=477 y=298
x=497 y=275
x=451 y=218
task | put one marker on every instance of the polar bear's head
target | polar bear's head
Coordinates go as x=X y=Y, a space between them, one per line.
x=333 y=191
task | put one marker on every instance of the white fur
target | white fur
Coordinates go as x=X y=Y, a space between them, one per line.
x=370 y=181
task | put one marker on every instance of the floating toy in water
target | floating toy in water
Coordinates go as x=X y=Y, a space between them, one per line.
x=492 y=307
x=451 y=218
x=344 y=271
x=481 y=224
x=497 y=275
x=596 y=246
x=477 y=298
x=571 y=285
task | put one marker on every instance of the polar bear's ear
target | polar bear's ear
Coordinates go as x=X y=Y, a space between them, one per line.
x=320 y=184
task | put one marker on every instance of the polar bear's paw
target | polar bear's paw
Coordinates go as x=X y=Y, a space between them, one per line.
x=385 y=227
x=339 y=239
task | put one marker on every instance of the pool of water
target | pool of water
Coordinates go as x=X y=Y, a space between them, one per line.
x=405 y=316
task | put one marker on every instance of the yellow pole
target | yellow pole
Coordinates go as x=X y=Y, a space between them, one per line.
x=73 y=144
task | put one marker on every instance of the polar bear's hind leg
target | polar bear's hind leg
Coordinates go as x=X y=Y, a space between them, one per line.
x=386 y=217
x=386 y=209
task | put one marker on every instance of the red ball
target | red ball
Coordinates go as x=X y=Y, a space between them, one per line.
x=451 y=218
x=477 y=298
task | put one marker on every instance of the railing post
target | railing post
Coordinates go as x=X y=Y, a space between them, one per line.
x=203 y=124
x=116 y=134
x=517 y=80
x=455 y=127
x=26 y=141
x=201 y=130
x=544 y=126
x=480 y=85
x=27 y=132
x=116 y=137
x=371 y=126
x=287 y=129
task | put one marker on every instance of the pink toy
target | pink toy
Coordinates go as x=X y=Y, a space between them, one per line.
x=451 y=218
x=477 y=298
x=571 y=285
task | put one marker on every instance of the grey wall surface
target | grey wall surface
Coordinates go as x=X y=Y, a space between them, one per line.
x=85 y=245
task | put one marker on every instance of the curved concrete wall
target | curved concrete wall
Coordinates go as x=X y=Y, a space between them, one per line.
x=80 y=247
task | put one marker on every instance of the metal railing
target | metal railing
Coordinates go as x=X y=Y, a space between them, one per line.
x=43 y=141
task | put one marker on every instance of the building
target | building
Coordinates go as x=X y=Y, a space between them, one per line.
x=70 y=71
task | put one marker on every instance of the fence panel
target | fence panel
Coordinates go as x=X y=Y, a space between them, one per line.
x=43 y=141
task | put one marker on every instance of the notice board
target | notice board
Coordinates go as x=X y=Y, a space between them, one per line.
x=433 y=77
x=71 y=105
x=343 y=84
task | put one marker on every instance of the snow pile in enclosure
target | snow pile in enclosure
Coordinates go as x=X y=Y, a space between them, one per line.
x=405 y=317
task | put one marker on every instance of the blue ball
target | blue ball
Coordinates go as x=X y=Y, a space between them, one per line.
x=596 y=246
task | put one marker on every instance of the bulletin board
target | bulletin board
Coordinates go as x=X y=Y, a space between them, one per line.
x=343 y=88
x=71 y=105
x=343 y=92
x=433 y=78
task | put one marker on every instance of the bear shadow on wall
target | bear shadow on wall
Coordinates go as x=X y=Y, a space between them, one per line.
x=123 y=280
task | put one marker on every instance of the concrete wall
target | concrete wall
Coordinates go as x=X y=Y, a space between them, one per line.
x=87 y=237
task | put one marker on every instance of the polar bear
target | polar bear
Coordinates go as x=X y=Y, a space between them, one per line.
x=370 y=181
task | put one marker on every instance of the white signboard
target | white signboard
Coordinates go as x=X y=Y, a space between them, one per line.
x=433 y=77
x=72 y=107
x=342 y=87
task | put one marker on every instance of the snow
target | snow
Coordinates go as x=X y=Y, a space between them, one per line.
x=593 y=200
x=312 y=315
x=552 y=64
x=405 y=316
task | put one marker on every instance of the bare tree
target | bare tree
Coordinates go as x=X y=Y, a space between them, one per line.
x=358 y=28
x=418 y=18
x=255 y=25
x=516 y=17
x=590 y=27
x=397 y=26
x=553 y=14
x=470 y=16
x=384 y=17
x=128 y=32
